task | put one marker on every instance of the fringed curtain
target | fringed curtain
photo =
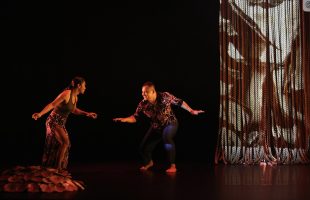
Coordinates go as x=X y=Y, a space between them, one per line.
x=265 y=83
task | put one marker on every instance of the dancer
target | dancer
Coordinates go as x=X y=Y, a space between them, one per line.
x=164 y=124
x=57 y=141
x=52 y=175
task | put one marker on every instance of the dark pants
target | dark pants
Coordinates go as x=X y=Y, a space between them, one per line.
x=153 y=137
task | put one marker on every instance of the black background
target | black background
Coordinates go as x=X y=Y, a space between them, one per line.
x=116 y=46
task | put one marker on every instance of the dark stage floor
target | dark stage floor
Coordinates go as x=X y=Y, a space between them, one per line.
x=121 y=180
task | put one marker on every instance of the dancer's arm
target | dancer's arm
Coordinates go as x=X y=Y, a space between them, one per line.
x=130 y=119
x=60 y=98
x=185 y=106
x=78 y=111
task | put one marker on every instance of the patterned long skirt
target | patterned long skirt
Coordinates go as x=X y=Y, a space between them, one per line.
x=44 y=178
x=52 y=145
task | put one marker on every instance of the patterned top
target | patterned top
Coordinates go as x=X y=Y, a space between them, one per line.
x=160 y=113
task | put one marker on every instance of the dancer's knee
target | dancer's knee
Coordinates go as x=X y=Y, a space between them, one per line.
x=169 y=147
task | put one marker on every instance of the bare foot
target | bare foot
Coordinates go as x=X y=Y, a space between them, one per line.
x=172 y=169
x=146 y=167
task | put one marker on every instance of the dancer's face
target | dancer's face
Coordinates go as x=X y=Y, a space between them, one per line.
x=82 y=87
x=148 y=93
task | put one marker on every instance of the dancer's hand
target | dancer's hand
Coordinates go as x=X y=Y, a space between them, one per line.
x=196 y=112
x=119 y=119
x=92 y=115
x=36 y=116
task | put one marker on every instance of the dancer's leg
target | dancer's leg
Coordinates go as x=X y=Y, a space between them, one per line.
x=168 y=134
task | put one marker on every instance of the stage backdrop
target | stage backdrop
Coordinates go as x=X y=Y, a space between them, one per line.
x=264 y=106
